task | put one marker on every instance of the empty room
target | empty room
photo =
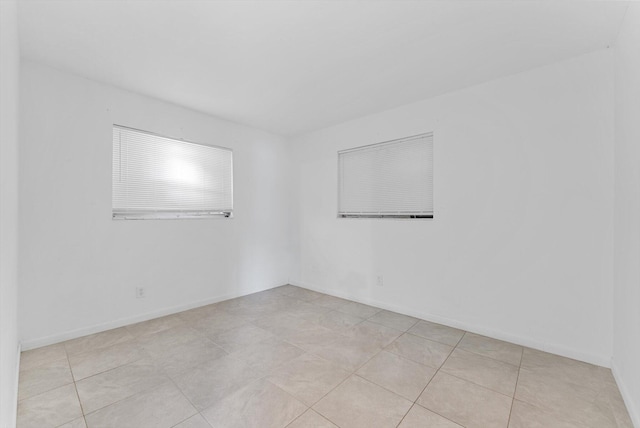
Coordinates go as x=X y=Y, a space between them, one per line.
x=320 y=214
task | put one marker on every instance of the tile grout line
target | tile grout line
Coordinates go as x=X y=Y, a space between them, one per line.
x=415 y=402
x=515 y=389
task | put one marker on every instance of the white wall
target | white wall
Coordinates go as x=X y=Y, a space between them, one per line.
x=521 y=245
x=78 y=268
x=626 y=349
x=9 y=76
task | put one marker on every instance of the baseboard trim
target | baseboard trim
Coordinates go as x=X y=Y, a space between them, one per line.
x=634 y=411
x=97 y=328
x=600 y=360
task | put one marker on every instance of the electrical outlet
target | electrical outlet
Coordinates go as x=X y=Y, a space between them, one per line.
x=140 y=292
x=379 y=281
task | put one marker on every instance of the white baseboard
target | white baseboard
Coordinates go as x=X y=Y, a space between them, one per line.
x=97 y=328
x=600 y=360
x=632 y=406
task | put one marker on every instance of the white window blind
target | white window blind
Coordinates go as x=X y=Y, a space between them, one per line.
x=390 y=179
x=159 y=177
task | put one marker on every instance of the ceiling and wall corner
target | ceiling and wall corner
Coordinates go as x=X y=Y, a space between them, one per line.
x=292 y=67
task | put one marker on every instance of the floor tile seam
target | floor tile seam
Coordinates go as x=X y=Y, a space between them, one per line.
x=109 y=369
x=75 y=388
x=384 y=325
x=384 y=387
x=477 y=384
x=514 y=390
x=48 y=390
x=429 y=383
x=143 y=391
x=351 y=373
x=412 y=360
x=442 y=416
x=41 y=365
x=595 y=391
x=160 y=373
x=186 y=419
x=487 y=358
x=102 y=349
x=430 y=340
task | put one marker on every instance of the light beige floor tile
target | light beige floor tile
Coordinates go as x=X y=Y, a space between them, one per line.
x=308 y=378
x=394 y=320
x=419 y=417
x=524 y=415
x=311 y=336
x=304 y=294
x=106 y=388
x=307 y=311
x=100 y=360
x=155 y=325
x=287 y=289
x=437 y=332
x=219 y=322
x=420 y=350
x=158 y=408
x=346 y=352
x=330 y=302
x=359 y=310
x=76 y=423
x=564 y=369
x=265 y=357
x=375 y=334
x=258 y=405
x=193 y=315
x=212 y=381
x=281 y=323
x=484 y=371
x=240 y=337
x=50 y=409
x=397 y=374
x=43 y=378
x=47 y=354
x=358 y=403
x=158 y=343
x=616 y=402
x=338 y=321
x=492 y=348
x=176 y=360
x=466 y=403
x=97 y=341
x=568 y=401
x=196 y=421
x=311 y=419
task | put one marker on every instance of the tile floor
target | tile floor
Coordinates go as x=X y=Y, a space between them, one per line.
x=291 y=357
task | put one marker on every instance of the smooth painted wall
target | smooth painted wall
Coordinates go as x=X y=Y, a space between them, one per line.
x=9 y=78
x=626 y=347
x=521 y=246
x=79 y=268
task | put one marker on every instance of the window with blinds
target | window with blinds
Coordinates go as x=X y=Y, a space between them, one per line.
x=156 y=177
x=393 y=179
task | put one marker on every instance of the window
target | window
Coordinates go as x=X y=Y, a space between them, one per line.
x=393 y=179
x=162 y=178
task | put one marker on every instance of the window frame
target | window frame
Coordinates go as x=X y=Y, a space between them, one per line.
x=169 y=214
x=389 y=216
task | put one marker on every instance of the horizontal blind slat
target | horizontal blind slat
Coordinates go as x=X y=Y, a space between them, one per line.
x=394 y=177
x=155 y=173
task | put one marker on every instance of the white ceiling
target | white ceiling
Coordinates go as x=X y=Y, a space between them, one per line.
x=294 y=66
